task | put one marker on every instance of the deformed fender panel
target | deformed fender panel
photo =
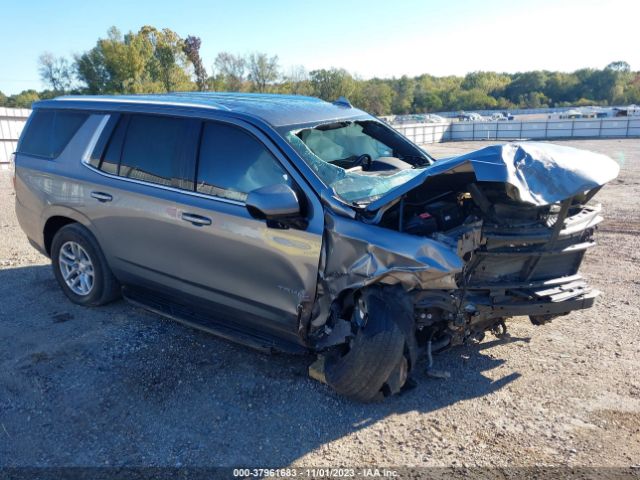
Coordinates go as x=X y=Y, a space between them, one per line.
x=358 y=254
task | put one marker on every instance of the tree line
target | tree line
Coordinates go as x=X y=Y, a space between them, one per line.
x=157 y=61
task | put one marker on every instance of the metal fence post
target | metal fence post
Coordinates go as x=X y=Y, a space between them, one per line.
x=627 y=130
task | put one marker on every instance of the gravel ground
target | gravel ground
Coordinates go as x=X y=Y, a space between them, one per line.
x=119 y=386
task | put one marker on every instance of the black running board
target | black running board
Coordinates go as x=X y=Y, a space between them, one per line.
x=201 y=320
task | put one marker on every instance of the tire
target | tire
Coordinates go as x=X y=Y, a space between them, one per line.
x=374 y=355
x=75 y=242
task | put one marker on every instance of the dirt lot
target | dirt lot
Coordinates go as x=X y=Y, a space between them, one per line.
x=119 y=386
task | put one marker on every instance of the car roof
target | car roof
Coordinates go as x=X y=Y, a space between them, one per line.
x=277 y=110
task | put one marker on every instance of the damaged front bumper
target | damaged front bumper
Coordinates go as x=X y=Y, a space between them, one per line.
x=527 y=223
x=514 y=271
x=451 y=255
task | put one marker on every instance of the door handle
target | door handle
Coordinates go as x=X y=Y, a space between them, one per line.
x=196 y=220
x=101 y=196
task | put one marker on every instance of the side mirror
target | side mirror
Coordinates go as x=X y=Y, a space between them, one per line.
x=273 y=202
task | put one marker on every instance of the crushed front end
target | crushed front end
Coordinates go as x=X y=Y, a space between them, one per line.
x=520 y=260
x=453 y=253
x=521 y=218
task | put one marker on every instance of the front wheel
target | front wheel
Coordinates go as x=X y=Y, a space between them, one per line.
x=81 y=268
x=374 y=363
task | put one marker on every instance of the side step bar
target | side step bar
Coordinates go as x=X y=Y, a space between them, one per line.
x=202 y=320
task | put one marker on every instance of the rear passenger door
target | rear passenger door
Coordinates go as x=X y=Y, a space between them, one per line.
x=134 y=208
x=177 y=218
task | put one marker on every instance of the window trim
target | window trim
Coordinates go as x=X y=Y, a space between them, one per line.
x=96 y=137
x=93 y=141
x=247 y=128
x=162 y=187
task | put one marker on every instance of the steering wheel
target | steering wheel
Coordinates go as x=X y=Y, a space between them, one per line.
x=363 y=161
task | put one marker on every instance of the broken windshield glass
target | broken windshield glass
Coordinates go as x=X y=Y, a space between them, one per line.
x=351 y=160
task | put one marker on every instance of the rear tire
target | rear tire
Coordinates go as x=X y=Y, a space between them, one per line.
x=81 y=268
x=374 y=355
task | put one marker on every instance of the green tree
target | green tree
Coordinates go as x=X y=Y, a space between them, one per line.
x=23 y=99
x=601 y=85
x=168 y=62
x=263 y=70
x=525 y=83
x=426 y=101
x=230 y=70
x=487 y=82
x=404 y=95
x=295 y=81
x=154 y=60
x=151 y=60
x=534 y=100
x=619 y=66
x=332 y=84
x=92 y=71
x=55 y=72
x=561 y=87
x=473 y=99
x=374 y=96
x=116 y=64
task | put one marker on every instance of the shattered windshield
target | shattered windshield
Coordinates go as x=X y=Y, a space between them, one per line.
x=360 y=160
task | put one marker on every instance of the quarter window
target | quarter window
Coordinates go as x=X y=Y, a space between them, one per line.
x=232 y=163
x=50 y=131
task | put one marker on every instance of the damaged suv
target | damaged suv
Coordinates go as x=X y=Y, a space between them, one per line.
x=293 y=224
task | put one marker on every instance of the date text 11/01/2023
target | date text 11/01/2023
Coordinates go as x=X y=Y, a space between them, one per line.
x=315 y=473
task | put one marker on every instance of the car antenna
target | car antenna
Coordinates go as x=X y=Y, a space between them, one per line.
x=343 y=102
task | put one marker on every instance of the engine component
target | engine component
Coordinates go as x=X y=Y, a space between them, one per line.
x=447 y=214
x=422 y=224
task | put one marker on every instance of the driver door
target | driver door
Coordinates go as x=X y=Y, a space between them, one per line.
x=260 y=271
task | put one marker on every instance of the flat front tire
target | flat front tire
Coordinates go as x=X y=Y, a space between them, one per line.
x=81 y=268
x=370 y=367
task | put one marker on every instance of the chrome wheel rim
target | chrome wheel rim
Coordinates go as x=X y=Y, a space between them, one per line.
x=76 y=268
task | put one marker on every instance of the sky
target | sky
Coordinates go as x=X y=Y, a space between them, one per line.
x=383 y=38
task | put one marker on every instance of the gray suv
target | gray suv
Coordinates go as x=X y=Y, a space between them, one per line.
x=289 y=223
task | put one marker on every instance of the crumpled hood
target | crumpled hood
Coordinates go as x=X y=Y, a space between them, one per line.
x=539 y=173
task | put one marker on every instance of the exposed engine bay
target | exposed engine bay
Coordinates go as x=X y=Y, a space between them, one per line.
x=458 y=245
x=518 y=259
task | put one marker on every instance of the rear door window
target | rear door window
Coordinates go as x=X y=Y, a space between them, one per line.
x=154 y=149
x=232 y=163
x=49 y=132
x=151 y=149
